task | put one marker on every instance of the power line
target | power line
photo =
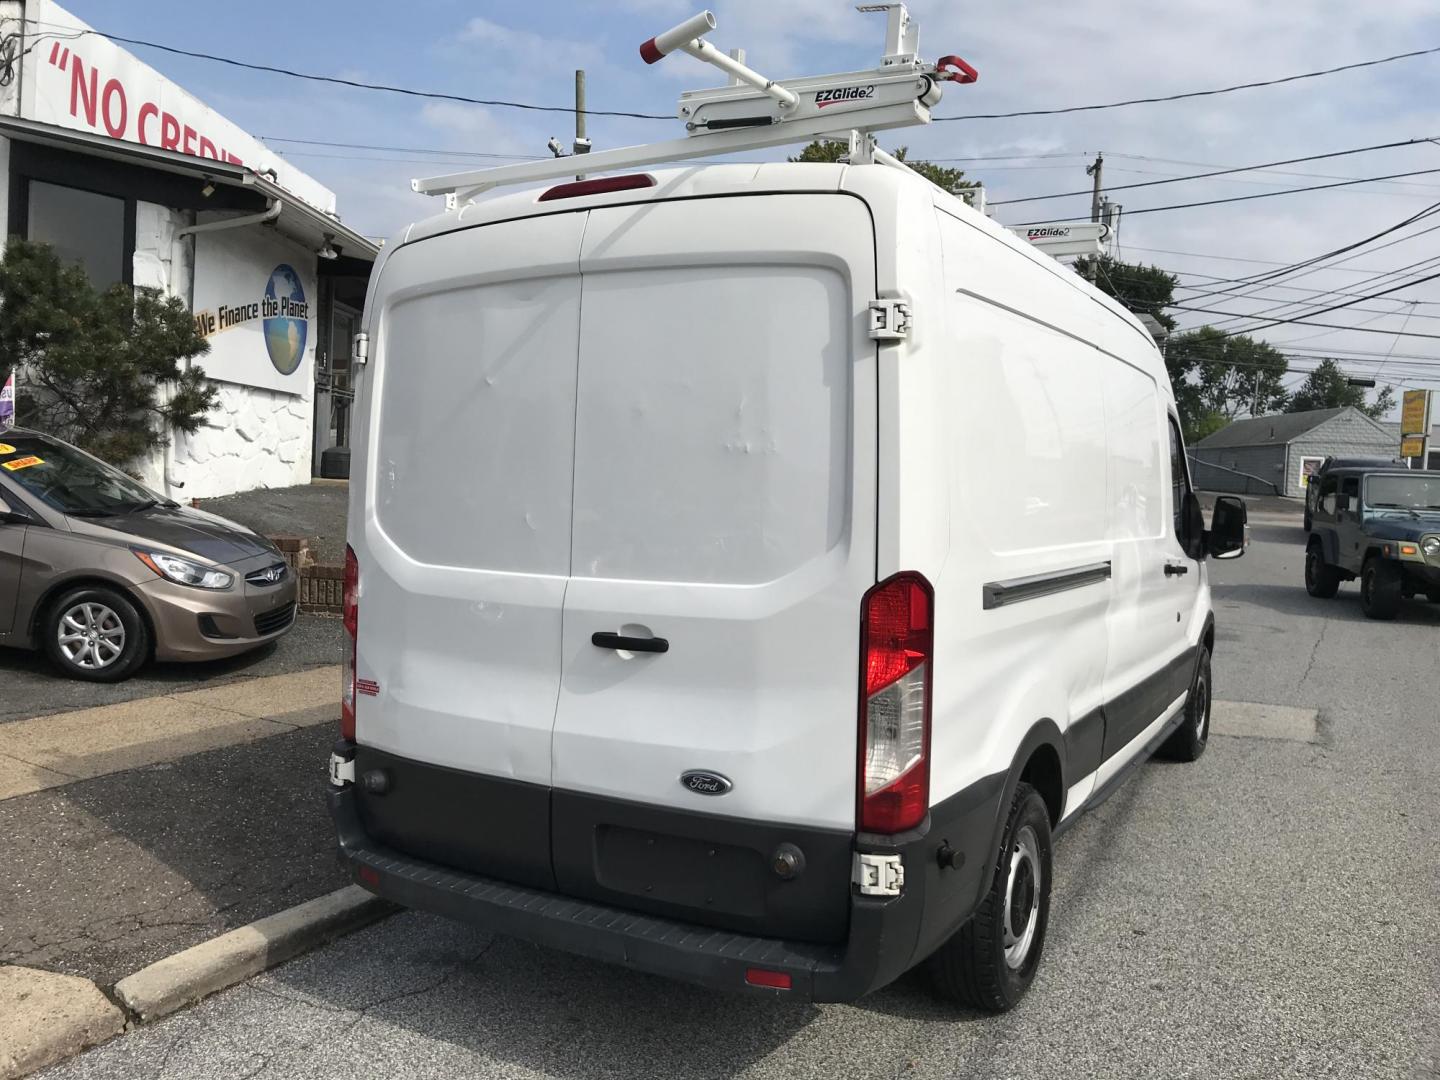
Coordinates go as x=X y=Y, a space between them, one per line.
x=383 y=87
x=1111 y=188
x=499 y=103
x=1258 y=195
x=1192 y=93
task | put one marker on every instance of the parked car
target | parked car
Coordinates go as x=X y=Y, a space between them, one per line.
x=1312 y=489
x=1382 y=526
x=770 y=637
x=103 y=574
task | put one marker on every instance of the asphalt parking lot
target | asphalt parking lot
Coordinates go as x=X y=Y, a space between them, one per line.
x=1271 y=911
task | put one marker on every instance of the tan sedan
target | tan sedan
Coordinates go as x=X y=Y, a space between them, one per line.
x=103 y=574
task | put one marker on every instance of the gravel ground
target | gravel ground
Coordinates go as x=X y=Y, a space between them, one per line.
x=1271 y=911
x=314 y=510
x=30 y=685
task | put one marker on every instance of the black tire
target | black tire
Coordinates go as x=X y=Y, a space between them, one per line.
x=119 y=639
x=1321 y=578
x=1189 y=740
x=971 y=968
x=1381 y=584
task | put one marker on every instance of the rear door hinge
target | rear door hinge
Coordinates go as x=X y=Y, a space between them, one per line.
x=879 y=875
x=360 y=348
x=342 y=770
x=890 y=320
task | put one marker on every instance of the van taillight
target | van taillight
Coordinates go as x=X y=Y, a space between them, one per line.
x=896 y=641
x=350 y=607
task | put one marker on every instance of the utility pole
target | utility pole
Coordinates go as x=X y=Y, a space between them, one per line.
x=580 y=139
x=1095 y=170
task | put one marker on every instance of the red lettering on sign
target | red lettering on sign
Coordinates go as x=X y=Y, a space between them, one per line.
x=207 y=149
x=80 y=94
x=232 y=158
x=114 y=90
x=169 y=132
x=147 y=110
x=188 y=145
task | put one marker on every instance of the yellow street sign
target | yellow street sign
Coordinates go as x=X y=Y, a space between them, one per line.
x=1415 y=413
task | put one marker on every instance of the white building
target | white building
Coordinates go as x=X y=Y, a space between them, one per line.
x=123 y=171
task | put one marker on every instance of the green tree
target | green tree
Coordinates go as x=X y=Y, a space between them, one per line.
x=94 y=363
x=828 y=150
x=1226 y=375
x=1328 y=387
x=1146 y=290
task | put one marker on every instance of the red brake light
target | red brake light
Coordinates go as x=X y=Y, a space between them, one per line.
x=601 y=186
x=896 y=643
x=350 y=607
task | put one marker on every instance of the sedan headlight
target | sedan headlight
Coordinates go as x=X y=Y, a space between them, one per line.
x=1431 y=547
x=184 y=572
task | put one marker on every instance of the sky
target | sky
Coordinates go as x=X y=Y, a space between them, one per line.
x=1030 y=54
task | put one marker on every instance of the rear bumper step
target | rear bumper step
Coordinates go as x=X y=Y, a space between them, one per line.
x=880 y=946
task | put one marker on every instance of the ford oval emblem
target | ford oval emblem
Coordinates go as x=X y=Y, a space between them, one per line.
x=705 y=783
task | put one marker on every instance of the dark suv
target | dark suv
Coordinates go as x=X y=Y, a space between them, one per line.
x=1382 y=526
x=1330 y=464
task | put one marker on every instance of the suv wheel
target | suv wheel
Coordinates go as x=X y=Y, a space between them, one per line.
x=1380 y=588
x=96 y=634
x=990 y=961
x=1189 y=740
x=1321 y=579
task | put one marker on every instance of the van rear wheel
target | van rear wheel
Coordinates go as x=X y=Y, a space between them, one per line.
x=990 y=961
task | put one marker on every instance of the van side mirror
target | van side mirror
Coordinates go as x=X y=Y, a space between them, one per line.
x=1229 y=533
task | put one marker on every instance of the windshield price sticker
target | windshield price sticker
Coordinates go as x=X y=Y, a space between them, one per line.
x=21 y=463
x=6 y=448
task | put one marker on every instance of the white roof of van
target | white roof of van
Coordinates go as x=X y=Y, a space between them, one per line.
x=697 y=181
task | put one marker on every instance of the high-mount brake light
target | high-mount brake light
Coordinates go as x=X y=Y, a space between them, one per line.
x=601 y=186
x=896 y=647
x=350 y=607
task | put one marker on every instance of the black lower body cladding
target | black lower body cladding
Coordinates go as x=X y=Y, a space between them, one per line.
x=637 y=885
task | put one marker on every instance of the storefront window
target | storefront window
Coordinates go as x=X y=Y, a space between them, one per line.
x=82 y=227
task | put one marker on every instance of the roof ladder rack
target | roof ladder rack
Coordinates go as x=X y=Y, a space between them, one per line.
x=752 y=112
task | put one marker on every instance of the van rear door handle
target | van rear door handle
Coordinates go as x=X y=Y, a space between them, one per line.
x=1174 y=569
x=606 y=640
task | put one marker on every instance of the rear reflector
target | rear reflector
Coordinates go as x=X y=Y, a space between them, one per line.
x=598 y=187
x=775 y=980
x=369 y=875
x=896 y=641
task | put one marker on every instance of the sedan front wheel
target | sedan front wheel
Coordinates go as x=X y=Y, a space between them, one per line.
x=96 y=634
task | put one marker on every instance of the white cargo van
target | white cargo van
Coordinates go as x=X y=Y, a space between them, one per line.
x=752 y=568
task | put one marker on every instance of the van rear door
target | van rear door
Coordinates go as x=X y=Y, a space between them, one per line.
x=464 y=541
x=724 y=504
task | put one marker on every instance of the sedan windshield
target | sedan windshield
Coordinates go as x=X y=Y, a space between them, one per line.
x=68 y=479
x=1393 y=492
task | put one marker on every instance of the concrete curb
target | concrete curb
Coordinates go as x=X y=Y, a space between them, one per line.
x=48 y=1018
x=184 y=978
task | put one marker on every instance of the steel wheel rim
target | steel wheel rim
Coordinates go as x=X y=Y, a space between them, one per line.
x=1022 y=898
x=91 y=635
x=1311 y=576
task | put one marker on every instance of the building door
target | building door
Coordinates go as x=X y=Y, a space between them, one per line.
x=334 y=388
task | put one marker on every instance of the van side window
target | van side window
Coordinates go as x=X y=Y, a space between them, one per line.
x=1179 y=479
x=1328 y=487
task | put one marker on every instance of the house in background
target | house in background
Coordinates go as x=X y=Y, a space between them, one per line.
x=1283 y=449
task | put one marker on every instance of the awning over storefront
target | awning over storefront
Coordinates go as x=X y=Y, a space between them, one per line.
x=237 y=187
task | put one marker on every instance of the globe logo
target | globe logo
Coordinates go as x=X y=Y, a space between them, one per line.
x=286 y=319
